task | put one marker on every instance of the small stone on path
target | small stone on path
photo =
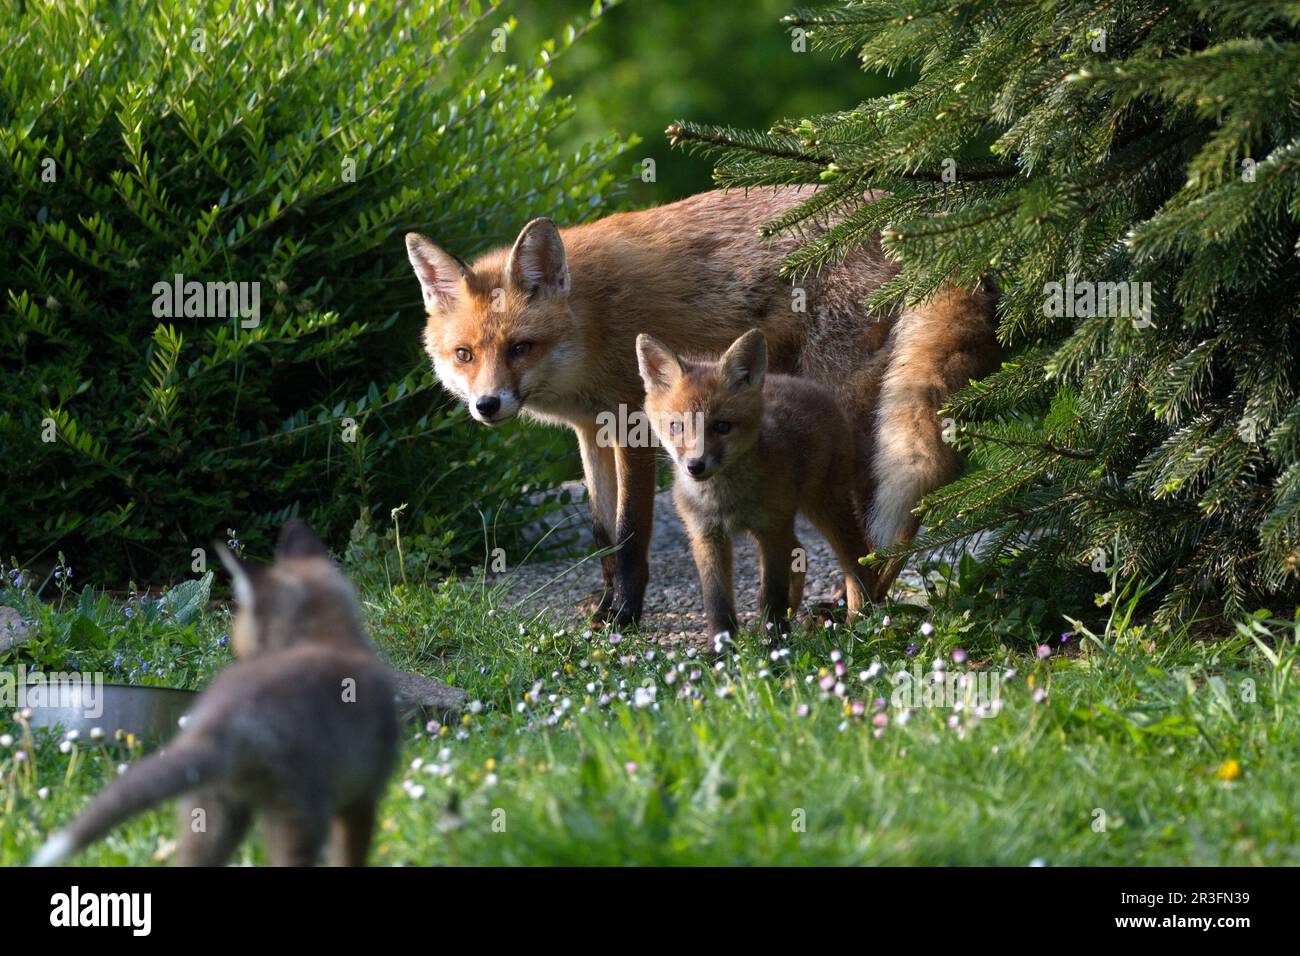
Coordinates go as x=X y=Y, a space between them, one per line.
x=418 y=694
x=13 y=629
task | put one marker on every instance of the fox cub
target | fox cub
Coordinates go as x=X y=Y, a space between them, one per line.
x=302 y=728
x=751 y=450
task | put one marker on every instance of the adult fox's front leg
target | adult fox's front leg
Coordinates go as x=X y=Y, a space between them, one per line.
x=635 y=468
x=601 y=477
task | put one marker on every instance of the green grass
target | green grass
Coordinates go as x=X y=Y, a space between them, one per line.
x=1133 y=746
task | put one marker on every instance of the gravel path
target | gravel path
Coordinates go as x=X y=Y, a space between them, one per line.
x=674 y=609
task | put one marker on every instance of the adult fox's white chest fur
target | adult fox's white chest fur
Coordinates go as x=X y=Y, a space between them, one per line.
x=548 y=328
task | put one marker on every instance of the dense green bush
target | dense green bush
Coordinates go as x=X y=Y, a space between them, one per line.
x=1140 y=142
x=289 y=144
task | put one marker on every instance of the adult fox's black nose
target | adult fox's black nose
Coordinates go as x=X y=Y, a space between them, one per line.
x=488 y=405
x=695 y=466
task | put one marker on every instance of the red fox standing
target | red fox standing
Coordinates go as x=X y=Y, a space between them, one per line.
x=548 y=327
x=751 y=450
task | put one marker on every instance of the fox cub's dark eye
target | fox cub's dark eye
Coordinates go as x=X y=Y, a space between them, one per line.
x=520 y=349
x=722 y=427
x=464 y=355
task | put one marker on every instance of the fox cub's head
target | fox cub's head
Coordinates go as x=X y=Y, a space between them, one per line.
x=704 y=413
x=499 y=332
x=301 y=597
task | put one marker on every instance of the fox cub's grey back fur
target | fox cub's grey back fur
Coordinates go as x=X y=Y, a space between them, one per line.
x=301 y=730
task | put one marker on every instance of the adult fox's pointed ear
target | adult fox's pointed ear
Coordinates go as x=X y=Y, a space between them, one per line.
x=659 y=365
x=299 y=541
x=440 y=273
x=744 y=365
x=537 y=265
x=241 y=574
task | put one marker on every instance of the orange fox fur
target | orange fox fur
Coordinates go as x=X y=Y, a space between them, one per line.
x=548 y=328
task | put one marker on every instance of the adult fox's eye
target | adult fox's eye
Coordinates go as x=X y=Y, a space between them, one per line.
x=722 y=427
x=520 y=349
x=464 y=355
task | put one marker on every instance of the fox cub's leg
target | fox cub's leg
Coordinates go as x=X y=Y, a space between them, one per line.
x=798 y=572
x=602 y=490
x=350 y=841
x=843 y=531
x=636 y=501
x=295 y=837
x=776 y=558
x=211 y=828
x=712 y=551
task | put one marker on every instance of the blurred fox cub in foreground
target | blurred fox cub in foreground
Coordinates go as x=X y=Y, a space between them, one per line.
x=302 y=729
x=751 y=450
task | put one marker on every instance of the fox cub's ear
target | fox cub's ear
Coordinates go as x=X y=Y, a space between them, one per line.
x=439 y=272
x=243 y=576
x=537 y=265
x=299 y=541
x=744 y=365
x=659 y=366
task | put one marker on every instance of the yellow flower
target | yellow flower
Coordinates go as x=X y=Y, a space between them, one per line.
x=491 y=764
x=1228 y=770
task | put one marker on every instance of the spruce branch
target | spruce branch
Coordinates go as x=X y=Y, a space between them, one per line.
x=1047 y=446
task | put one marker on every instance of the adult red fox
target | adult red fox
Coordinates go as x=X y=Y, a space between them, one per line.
x=548 y=327
x=751 y=450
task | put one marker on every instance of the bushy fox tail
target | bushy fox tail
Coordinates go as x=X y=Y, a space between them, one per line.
x=182 y=767
x=935 y=349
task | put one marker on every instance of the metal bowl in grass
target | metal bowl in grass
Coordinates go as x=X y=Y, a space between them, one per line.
x=150 y=713
x=153 y=713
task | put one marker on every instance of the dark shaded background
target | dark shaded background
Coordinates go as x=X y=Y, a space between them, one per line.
x=655 y=61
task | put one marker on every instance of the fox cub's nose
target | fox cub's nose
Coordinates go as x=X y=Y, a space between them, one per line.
x=488 y=405
x=695 y=466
